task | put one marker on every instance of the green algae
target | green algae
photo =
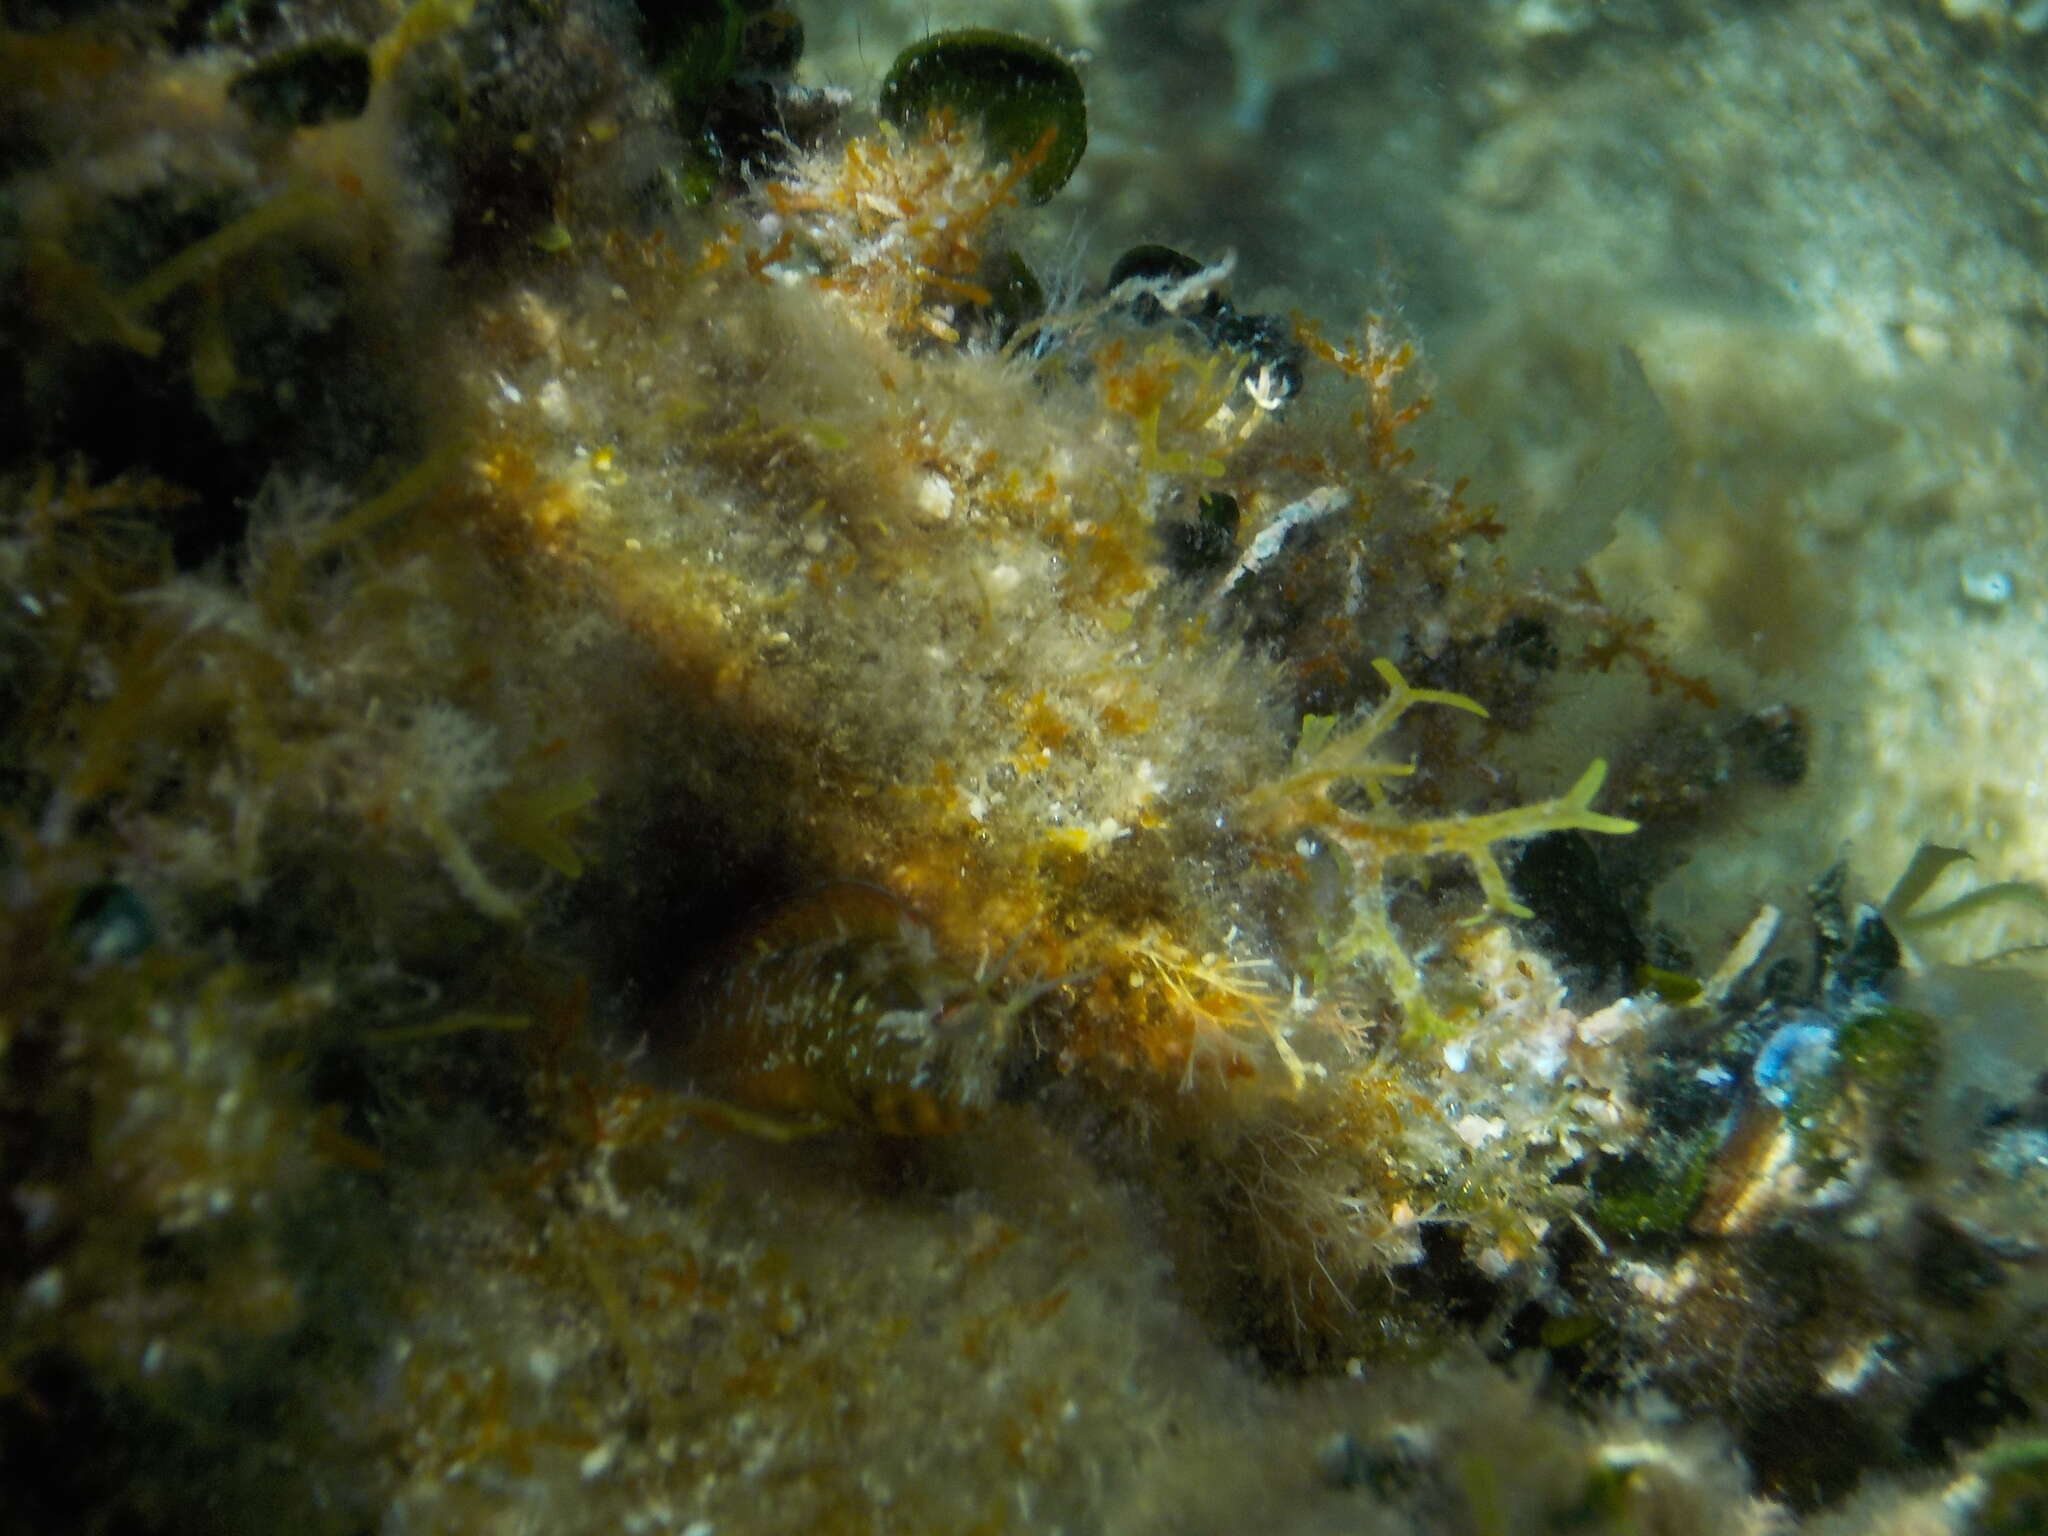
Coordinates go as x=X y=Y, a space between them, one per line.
x=1026 y=100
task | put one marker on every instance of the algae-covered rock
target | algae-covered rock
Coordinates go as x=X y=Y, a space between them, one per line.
x=689 y=839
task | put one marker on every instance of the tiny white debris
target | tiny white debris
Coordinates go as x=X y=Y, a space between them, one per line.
x=541 y=325
x=598 y=1459
x=1542 y=1051
x=554 y=402
x=1601 y=1112
x=1314 y=507
x=935 y=497
x=1660 y=1287
x=1552 y=18
x=1458 y=1055
x=1004 y=578
x=1611 y=1023
x=544 y=1364
x=1267 y=388
x=1985 y=583
x=510 y=391
x=1624 y=1454
x=1929 y=343
x=1850 y=1370
x=1477 y=1130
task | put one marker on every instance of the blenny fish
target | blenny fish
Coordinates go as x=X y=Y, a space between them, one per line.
x=838 y=1009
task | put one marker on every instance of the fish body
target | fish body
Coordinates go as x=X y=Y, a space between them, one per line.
x=836 y=1009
